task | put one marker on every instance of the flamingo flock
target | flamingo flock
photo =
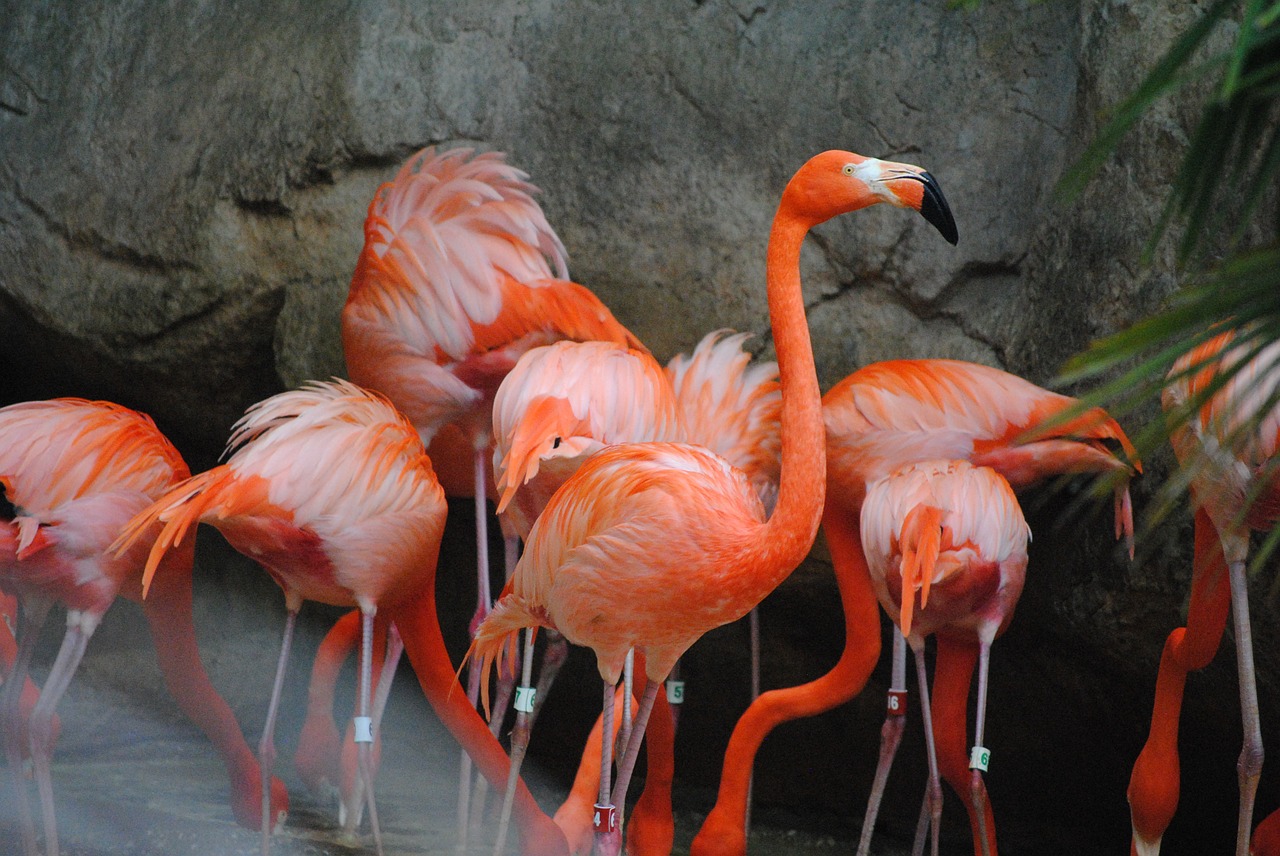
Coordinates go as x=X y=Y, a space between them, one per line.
x=642 y=507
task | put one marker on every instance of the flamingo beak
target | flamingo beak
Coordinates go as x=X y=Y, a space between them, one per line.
x=934 y=208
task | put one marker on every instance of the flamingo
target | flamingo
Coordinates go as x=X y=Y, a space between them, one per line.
x=460 y=274
x=879 y=418
x=730 y=405
x=330 y=490
x=74 y=471
x=649 y=545
x=561 y=404
x=1228 y=448
x=954 y=534
x=454 y=283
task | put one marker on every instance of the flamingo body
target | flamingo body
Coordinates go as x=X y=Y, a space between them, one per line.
x=651 y=545
x=563 y=403
x=459 y=275
x=75 y=471
x=970 y=579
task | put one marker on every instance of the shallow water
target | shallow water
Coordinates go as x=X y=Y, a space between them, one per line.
x=132 y=777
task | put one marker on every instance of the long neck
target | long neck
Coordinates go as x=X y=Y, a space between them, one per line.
x=790 y=531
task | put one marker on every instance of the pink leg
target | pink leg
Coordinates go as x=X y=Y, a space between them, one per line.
x=1249 y=767
x=608 y=837
x=80 y=627
x=890 y=738
x=484 y=599
x=364 y=723
x=501 y=697
x=934 y=796
x=267 y=746
x=32 y=614
x=979 y=757
x=628 y=693
x=519 y=741
x=353 y=795
x=628 y=764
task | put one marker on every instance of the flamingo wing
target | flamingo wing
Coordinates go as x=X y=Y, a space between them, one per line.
x=732 y=407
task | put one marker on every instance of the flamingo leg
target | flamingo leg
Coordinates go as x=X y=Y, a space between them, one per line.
x=1249 y=767
x=554 y=655
x=80 y=627
x=628 y=764
x=267 y=746
x=519 y=744
x=608 y=838
x=381 y=693
x=501 y=697
x=628 y=692
x=364 y=725
x=922 y=826
x=32 y=614
x=934 y=795
x=978 y=761
x=484 y=600
x=890 y=738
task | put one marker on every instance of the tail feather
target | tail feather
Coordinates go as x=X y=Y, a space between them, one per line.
x=215 y=493
x=921 y=542
x=497 y=639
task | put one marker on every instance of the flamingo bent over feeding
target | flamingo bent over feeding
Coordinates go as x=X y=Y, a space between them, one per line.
x=329 y=489
x=650 y=545
x=75 y=471
x=459 y=275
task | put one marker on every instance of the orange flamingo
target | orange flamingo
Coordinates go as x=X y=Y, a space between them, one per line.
x=324 y=762
x=881 y=417
x=731 y=406
x=454 y=283
x=561 y=404
x=1228 y=447
x=954 y=535
x=75 y=471
x=460 y=274
x=330 y=490
x=650 y=545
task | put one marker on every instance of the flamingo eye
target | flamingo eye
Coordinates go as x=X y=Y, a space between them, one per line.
x=848 y=169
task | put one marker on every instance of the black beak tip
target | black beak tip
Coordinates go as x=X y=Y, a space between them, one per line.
x=934 y=208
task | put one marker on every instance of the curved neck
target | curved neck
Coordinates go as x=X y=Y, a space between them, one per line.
x=790 y=531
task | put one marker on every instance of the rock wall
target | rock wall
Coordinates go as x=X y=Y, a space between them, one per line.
x=182 y=188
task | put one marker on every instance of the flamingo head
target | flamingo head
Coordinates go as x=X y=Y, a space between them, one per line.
x=837 y=182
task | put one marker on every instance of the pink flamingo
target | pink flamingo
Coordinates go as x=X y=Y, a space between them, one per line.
x=953 y=534
x=460 y=274
x=75 y=471
x=330 y=490
x=879 y=418
x=1228 y=447
x=650 y=545
x=560 y=405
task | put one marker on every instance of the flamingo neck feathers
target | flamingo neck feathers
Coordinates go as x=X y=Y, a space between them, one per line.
x=789 y=532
